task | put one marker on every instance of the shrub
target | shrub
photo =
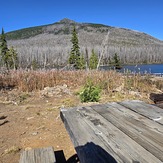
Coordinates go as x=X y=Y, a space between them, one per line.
x=90 y=93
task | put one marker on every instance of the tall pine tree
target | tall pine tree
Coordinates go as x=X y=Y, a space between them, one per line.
x=81 y=62
x=8 y=55
x=4 y=49
x=116 y=61
x=75 y=50
x=93 y=62
x=12 y=60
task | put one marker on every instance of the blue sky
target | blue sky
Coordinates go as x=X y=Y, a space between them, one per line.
x=142 y=15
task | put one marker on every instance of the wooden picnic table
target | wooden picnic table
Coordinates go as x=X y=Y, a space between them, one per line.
x=128 y=132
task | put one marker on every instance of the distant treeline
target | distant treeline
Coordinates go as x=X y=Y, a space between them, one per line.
x=50 y=45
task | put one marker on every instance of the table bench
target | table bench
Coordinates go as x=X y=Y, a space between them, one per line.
x=39 y=155
x=128 y=132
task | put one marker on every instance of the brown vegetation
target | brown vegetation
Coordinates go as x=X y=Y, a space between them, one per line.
x=109 y=81
x=30 y=103
x=31 y=80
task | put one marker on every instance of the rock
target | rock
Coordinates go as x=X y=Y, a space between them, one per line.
x=29 y=118
x=57 y=90
x=23 y=133
x=119 y=89
x=135 y=93
x=34 y=133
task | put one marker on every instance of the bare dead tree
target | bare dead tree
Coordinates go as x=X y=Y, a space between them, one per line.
x=103 y=48
x=131 y=46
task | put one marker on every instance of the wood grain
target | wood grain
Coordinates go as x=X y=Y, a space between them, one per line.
x=40 y=155
x=117 y=139
x=145 y=132
x=150 y=111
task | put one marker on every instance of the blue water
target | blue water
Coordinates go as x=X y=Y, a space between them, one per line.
x=144 y=68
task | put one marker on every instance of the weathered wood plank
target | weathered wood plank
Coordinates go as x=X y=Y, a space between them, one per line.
x=159 y=105
x=86 y=127
x=150 y=111
x=142 y=130
x=85 y=139
x=40 y=155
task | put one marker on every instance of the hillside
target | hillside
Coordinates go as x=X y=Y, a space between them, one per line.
x=50 y=45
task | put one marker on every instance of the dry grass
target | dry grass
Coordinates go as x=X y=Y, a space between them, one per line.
x=139 y=83
x=38 y=80
x=13 y=149
x=28 y=81
x=159 y=84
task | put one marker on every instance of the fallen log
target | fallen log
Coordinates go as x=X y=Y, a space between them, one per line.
x=156 y=98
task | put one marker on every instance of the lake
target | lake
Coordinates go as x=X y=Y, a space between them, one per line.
x=143 y=68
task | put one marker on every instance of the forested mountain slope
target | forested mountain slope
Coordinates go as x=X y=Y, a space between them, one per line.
x=50 y=45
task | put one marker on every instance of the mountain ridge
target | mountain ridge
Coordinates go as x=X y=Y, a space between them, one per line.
x=50 y=44
x=72 y=22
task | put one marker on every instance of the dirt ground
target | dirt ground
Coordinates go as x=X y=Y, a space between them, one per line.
x=32 y=121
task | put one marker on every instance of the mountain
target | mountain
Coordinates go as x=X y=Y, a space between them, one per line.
x=51 y=45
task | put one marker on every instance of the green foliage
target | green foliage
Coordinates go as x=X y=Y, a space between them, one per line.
x=12 y=58
x=81 y=62
x=93 y=60
x=3 y=48
x=90 y=93
x=75 y=43
x=116 y=61
x=8 y=56
x=75 y=53
x=24 y=33
x=72 y=59
x=97 y=25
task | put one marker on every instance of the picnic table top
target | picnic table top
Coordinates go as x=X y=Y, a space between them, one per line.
x=128 y=131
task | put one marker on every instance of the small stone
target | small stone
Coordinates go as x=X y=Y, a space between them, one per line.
x=34 y=133
x=29 y=118
x=23 y=133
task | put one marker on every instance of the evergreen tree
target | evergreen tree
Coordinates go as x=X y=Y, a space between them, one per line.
x=4 y=49
x=75 y=53
x=93 y=60
x=81 y=62
x=12 y=58
x=116 y=61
